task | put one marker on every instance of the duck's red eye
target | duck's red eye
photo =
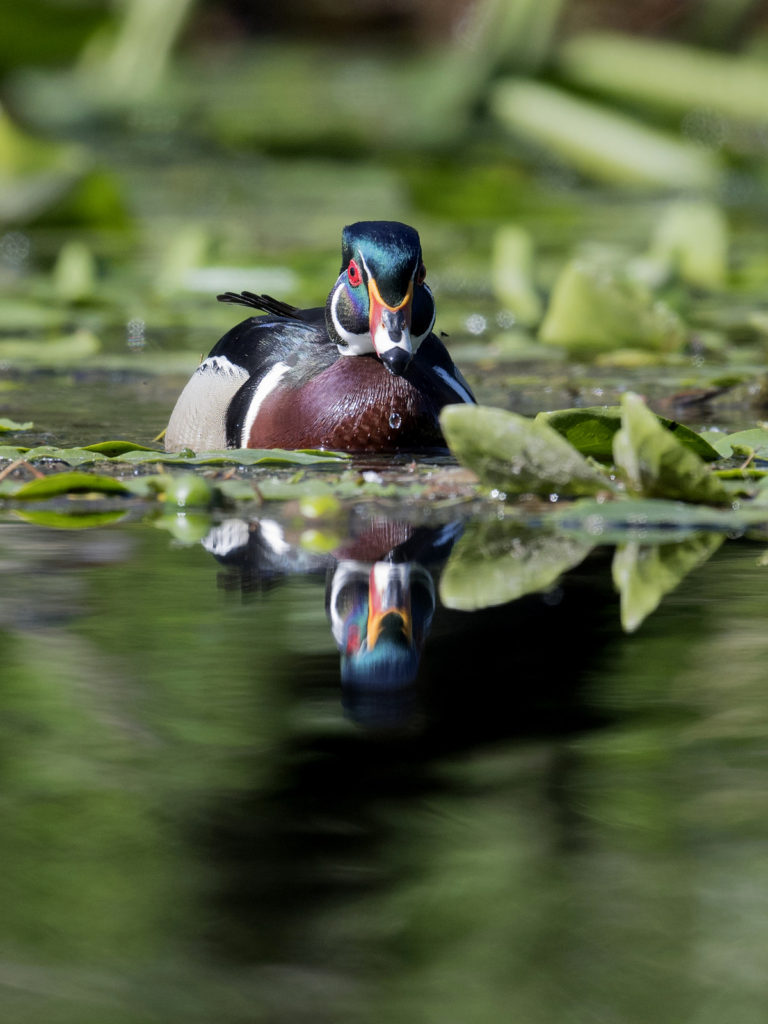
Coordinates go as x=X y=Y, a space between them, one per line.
x=353 y=273
x=421 y=274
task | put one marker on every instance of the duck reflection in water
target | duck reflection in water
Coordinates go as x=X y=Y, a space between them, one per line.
x=380 y=598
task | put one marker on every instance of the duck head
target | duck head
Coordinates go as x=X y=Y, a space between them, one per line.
x=380 y=304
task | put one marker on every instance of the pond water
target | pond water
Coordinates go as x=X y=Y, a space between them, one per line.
x=215 y=809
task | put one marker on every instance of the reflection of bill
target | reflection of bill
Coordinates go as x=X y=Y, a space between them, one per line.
x=380 y=615
x=380 y=593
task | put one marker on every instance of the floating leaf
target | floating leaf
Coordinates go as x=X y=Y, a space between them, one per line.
x=591 y=430
x=71 y=456
x=644 y=573
x=6 y=425
x=498 y=562
x=113 y=449
x=235 y=456
x=58 y=484
x=656 y=464
x=517 y=455
x=752 y=442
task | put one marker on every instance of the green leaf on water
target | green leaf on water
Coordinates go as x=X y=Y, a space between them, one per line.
x=518 y=455
x=497 y=562
x=752 y=442
x=59 y=484
x=644 y=573
x=234 y=456
x=113 y=449
x=6 y=424
x=49 y=453
x=655 y=464
x=591 y=430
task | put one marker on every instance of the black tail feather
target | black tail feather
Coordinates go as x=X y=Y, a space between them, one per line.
x=263 y=302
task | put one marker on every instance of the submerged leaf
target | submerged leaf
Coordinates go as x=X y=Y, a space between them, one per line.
x=77 y=519
x=591 y=430
x=498 y=562
x=518 y=455
x=656 y=464
x=57 y=484
x=644 y=573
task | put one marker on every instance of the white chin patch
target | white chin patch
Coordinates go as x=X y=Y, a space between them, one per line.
x=383 y=343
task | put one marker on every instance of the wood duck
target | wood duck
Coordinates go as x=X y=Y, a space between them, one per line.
x=364 y=374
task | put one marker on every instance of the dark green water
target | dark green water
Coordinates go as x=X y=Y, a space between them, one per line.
x=556 y=822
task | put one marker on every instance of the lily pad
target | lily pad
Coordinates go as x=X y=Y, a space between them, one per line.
x=516 y=455
x=499 y=561
x=113 y=449
x=592 y=428
x=656 y=464
x=752 y=442
x=234 y=456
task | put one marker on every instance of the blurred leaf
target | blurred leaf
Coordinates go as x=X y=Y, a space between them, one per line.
x=59 y=352
x=6 y=424
x=33 y=174
x=591 y=429
x=652 y=520
x=644 y=573
x=655 y=463
x=667 y=75
x=596 y=306
x=753 y=441
x=498 y=562
x=692 y=237
x=601 y=143
x=513 y=281
x=77 y=519
x=517 y=455
x=74 y=273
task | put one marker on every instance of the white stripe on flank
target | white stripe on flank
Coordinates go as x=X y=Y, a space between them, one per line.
x=264 y=389
x=452 y=383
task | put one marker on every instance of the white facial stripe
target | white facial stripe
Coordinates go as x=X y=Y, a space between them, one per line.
x=265 y=388
x=356 y=344
x=453 y=384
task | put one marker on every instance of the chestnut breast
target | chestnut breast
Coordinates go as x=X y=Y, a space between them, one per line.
x=356 y=404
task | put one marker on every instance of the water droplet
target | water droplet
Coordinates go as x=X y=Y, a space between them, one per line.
x=395 y=419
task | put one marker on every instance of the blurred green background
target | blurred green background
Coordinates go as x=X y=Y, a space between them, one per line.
x=575 y=828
